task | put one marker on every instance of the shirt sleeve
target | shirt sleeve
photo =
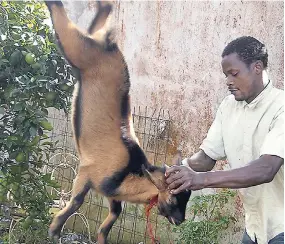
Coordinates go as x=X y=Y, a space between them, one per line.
x=213 y=144
x=274 y=140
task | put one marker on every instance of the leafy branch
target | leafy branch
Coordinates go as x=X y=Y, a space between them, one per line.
x=34 y=77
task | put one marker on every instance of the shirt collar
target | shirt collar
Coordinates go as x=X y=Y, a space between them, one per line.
x=268 y=87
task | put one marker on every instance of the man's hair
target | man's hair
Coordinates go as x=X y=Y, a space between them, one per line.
x=248 y=49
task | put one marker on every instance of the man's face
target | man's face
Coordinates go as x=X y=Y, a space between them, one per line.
x=243 y=81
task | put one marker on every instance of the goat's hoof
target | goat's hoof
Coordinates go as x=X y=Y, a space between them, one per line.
x=54 y=234
x=101 y=240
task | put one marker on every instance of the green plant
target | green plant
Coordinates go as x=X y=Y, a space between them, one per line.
x=33 y=78
x=209 y=217
x=22 y=234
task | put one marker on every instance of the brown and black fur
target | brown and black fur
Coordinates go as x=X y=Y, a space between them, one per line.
x=111 y=160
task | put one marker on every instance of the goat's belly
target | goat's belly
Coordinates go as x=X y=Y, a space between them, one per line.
x=101 y=161
x=95 y=115
x=102 y=148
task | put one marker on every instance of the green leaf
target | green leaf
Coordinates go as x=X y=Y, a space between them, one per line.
x=18 y=107
x=54 y=184
x=33 y=131
x=20 y=157
x=35 y=141
x=15 y=169
x=45 y=111
x=12 y=138
x=15 y=58
x=47 y=143
x=13 y=155
x=47 y=177
x=46 y=125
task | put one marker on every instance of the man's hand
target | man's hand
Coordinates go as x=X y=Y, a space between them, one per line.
x=180 y=178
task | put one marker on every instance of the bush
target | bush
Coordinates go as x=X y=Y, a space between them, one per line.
x=209 y=219
x=33 y=78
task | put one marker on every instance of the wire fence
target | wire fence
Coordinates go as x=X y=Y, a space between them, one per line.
x=152 y=129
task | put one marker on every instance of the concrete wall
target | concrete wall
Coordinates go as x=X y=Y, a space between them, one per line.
x=173 y=51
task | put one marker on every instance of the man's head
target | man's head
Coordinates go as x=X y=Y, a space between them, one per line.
x=244 y=60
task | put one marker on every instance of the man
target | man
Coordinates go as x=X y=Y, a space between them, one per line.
x=248 y=131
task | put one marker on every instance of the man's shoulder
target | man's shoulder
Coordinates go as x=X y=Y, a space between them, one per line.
x=278 y=95
x=277 y=100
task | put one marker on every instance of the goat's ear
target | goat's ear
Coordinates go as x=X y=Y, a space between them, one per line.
x=177 y=158
x=159 y=183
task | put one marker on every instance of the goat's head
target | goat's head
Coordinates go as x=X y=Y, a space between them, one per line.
x=171 y=206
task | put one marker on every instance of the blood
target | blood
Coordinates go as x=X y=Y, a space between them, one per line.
x=153 y=202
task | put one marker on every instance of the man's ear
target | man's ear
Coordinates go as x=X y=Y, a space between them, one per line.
x=258 y=67
x=159 y=183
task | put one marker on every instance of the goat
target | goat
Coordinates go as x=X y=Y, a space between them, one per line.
x=111 y=160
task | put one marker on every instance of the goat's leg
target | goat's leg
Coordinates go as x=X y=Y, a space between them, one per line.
x=73 y=43
x=78 y=46
x=115 y=209
x=80 y=188
x=99 y=22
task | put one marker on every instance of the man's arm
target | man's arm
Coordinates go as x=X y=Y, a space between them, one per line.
x=257 y=172
x=200 y=162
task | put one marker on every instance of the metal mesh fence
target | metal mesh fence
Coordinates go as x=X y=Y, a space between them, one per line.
x=152 y=129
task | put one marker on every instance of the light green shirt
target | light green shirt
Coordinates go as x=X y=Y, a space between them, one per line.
x=241 y=133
